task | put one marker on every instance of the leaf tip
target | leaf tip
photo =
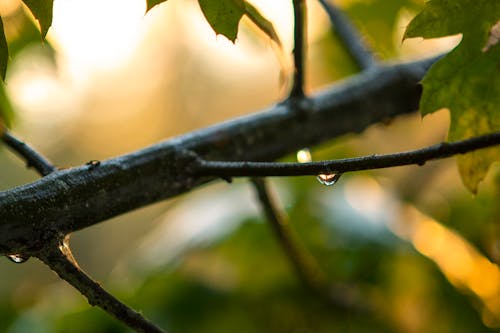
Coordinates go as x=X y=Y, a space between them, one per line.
x=151 y=3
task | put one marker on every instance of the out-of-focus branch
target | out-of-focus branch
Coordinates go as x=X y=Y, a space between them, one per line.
x=61 y=261
x=305 y=265
x=302 y=261
x=419 y=157
x=33 y=158
x=349 y=36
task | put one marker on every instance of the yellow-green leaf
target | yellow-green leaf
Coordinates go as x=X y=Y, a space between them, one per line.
x=4 y=51
x=151 y=3
x=42 y=11
x=260 y=21
x=6 y=111
x=223 y=15
x=467 y=80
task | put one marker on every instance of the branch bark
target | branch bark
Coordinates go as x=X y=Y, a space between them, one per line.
x=73 y=199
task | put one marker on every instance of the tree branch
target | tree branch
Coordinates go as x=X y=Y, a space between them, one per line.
x=60 y=260
x=419 y=157
x=349 y=36
x=72 y=199
x=33 y=158
x=302 y=261
x=299 y=37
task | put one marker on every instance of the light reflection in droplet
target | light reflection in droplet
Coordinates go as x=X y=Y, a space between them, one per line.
x=329 y=179
x=17 y=258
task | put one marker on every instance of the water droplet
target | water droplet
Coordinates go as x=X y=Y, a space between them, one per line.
x=93 y=164
x=304 y=156
x=17 y=258
x=329 y=179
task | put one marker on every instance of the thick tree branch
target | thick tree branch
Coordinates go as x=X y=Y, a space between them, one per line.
x=419 y=157
x=72 y=199
x=60 y=260
x=349 y=36
x=33 y=158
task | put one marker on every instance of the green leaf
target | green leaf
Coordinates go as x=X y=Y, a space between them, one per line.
x=5 y=106
x=223 y=15
x=6 y=110
x=4 y=51
x=151 y=3
x=467 y=80
x=260 y=21
x=42 y=10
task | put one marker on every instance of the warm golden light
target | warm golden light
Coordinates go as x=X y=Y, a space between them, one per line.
x=95 y=34
x=462 y=264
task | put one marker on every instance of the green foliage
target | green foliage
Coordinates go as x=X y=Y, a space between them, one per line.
x=223 y=15
x=377 y=19
x=151 y=3
x=6 y=111
x=244 y=283
x=5 y=108
x=4 y=51
x=42 y=11
x=260 y=21
x=467 y=80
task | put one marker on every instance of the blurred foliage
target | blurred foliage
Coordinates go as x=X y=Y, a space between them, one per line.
x=239 y=280
x=243 y=283
x=18 y=32
x=377 y=21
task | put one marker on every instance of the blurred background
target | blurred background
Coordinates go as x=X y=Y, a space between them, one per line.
x=407 y=249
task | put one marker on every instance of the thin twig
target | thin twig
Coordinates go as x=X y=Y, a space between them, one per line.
x=299 y=15
x=33 y=158
x=302 y=261
x=60 y=260
x=349 y=36
x=419 y=156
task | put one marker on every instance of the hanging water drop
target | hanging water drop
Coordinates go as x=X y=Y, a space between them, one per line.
x=17 y=258
x=329 y=179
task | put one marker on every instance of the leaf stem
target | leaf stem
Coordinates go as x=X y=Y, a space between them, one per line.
x=299 y=37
